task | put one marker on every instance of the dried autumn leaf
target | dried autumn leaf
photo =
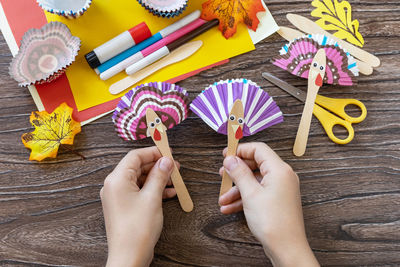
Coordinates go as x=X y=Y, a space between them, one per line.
x=231 y=12
x=336 y=16
x=51 y=131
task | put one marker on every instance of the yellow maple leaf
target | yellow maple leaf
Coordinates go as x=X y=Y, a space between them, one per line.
x=336 y=16
x=51 y=131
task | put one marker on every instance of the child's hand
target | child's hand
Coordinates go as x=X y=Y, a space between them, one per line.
x=271 y=203
x=132 y=205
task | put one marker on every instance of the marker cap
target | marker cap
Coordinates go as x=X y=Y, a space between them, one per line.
x=140 y=32
x=92 y=59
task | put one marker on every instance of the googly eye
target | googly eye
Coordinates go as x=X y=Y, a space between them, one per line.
x=315 y=64
x=152 y=125
x=321 y=68
x=158 y=121
x=232 y=117
x=240 y=120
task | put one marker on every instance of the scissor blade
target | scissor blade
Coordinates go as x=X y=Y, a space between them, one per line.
x=297 y=93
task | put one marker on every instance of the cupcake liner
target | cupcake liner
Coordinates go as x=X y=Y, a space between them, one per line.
x=214 y=105
x=169 y=101
x=296 y=57
x=164 y=8
x=67 y=8
x=44 y=54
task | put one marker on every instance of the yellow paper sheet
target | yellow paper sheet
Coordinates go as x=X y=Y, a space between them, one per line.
x=107 y=18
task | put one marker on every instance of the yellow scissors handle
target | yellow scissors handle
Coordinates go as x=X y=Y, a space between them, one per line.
x=328 y=121
x=338 y=106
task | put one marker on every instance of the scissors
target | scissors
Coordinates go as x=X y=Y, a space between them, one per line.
x=322 y=107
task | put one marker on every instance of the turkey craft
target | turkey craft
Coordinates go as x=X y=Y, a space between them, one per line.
x=149 y=110
x=236 y=108
x=296 y=57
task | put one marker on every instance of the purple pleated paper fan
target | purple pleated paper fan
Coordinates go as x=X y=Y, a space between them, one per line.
x=215 y=102
x=169 y=101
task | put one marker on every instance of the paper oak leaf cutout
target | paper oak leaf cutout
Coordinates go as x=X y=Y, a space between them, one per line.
x=51 y=131
x=231 y=12
x=336 y=16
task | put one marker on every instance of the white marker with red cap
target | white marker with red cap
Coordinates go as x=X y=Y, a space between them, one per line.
x=118 y=44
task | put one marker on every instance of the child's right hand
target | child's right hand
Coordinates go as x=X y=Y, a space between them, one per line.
x=271 y=202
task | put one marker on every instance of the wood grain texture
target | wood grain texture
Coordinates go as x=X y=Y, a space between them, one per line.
x=51 y=215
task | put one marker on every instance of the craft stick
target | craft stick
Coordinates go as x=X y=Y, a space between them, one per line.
x=309 y=26
x=290 y=34
x=158 y=133
x=177 y=55
x=235 y=133
x=315 y=80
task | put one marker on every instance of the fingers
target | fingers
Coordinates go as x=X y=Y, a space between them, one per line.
x=158 y=177
x=232 y=208
x=241 y=175
x=229 y=197
x=130 y=167
x=146 y=169
x=265 y=158
x=169 y=193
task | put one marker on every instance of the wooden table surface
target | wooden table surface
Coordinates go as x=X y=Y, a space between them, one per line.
x=51 y=215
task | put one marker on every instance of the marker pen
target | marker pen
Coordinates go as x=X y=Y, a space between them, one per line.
x=117 y=45
x=128 y=57
x=165 y=50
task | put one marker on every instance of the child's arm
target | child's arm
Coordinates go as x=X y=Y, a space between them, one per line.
x=132 y=206
x=271 y=203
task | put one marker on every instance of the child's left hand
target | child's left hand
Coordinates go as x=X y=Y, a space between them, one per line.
x=132 y=206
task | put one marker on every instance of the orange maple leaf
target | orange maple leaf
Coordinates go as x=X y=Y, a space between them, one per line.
x=51 y=131
x=231 y=12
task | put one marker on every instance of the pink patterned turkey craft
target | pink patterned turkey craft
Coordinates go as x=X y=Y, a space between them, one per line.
x=169 y=101
x=296 y=58
x=149 y=110
x=44 y=54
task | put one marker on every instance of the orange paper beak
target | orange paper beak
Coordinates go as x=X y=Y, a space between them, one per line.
x=239 y=133
x=318 y=81
x=157 y=135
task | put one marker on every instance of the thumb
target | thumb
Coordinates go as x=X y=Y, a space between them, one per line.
x=158 y=177
x=241 y=175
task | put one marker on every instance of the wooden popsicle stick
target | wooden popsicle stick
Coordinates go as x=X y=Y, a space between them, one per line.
x=309 y=26
x=290 y=34
x=235 y=133
x=175 y=56
x=161 y=140
x=315 y=80
x=226 y=183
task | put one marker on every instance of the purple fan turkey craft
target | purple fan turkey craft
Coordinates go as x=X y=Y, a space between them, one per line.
x=214 y=104
x=236 y=108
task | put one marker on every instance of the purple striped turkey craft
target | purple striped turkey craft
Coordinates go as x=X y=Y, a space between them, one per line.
x=214 y=104
x=296 y=58
x=236 y=108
